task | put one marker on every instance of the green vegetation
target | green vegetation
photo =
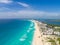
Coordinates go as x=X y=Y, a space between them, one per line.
x=52 y=41
x=57 y=29
x=53 y=25
x=58 y=39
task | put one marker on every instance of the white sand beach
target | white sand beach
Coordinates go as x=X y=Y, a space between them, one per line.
x=37 y=39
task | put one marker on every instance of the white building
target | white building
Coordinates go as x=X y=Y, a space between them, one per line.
x=48 y=32
x=55 y=32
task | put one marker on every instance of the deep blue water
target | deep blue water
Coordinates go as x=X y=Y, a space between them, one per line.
x=16 y=32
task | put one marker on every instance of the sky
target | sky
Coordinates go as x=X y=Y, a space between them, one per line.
x=30 y=9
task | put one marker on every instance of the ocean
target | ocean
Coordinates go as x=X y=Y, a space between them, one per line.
x=18 y=32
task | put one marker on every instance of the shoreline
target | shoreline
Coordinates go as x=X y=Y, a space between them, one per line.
x=37 y=39
x=43 y=34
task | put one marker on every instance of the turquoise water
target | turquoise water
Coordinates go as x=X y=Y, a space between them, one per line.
x=16 y=32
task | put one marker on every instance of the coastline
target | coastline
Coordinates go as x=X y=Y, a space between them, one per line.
x=45 y=35
x=37 y=39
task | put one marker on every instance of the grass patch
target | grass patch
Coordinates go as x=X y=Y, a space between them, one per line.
x=58 y=39
x=52 y=41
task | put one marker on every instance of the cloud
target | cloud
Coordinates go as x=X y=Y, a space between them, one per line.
x=23 y=4
x=4 y=9
x=5 y=1
x=37 y=13
x=28 y=14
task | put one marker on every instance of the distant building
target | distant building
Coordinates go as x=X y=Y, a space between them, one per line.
x=48 y=32
x=57 y=33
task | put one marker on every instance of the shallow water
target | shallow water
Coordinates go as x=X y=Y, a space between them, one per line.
x=16 y=32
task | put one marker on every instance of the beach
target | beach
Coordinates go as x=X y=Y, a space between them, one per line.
x=37 y=39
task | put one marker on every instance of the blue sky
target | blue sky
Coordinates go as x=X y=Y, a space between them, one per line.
x=29 y=8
